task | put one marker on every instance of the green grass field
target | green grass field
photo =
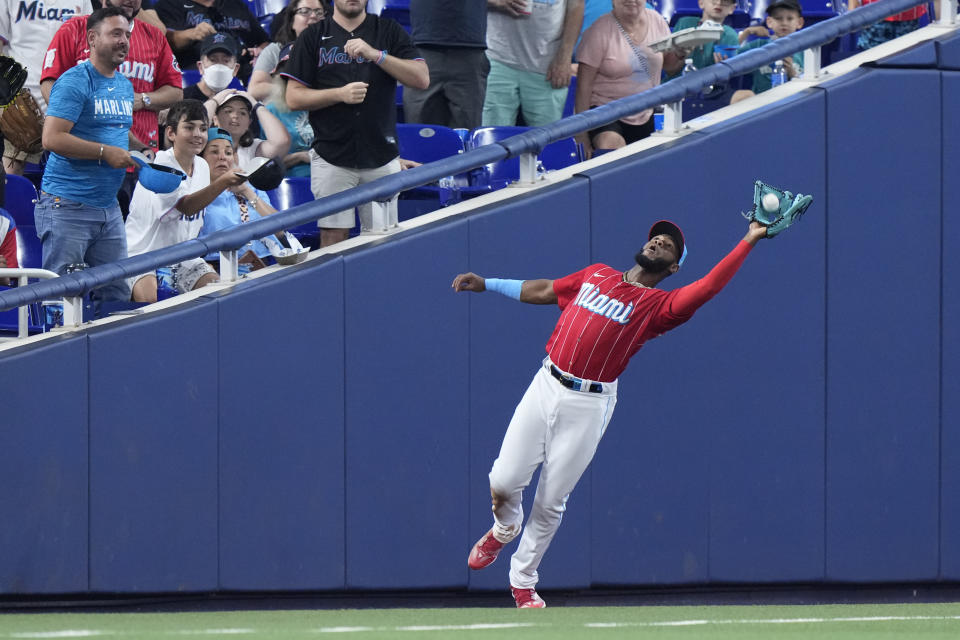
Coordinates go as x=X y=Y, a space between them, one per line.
x=843 y=622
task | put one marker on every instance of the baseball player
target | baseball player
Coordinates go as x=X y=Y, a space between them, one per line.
x=606 y=316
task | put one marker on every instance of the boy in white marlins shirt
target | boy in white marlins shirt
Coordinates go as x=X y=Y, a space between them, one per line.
x=160 y=220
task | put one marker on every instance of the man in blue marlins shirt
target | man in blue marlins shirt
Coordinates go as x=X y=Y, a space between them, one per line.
x=344 y=71
x=88 y=121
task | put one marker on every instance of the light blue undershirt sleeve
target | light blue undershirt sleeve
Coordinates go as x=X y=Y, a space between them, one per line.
x=509 y=288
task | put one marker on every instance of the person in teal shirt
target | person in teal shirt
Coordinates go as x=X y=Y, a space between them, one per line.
x=783 y=18
x=713 y=11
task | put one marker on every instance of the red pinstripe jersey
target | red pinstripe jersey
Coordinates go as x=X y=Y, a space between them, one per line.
x=150 y=64
x=606 y=320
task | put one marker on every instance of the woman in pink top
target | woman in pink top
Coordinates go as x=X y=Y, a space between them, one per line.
x=615 y=62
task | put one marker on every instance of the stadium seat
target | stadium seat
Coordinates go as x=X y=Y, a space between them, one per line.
x=290 y=193
x=256 y=7
x=425 y=143
x=266 y=21
x=272 y=7
x=398 y=10
x=818 y=10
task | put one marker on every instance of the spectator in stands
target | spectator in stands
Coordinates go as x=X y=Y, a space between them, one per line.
x=615 y=62
x=159 y=220
x=530 y=59
x=147 y=13
x=350 y=92
x=713 y=11
x=89 y=114
x=238 y=204
x=891 y=27
x=8 y=243
x=190 y=21
x=149 y=66
x=243 y=117
x=783 y=18
x=452 y=37
x=25 y=33
x=267 y=85
x=218 y=67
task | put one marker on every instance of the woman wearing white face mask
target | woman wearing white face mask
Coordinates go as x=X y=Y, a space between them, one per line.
x=267 y=85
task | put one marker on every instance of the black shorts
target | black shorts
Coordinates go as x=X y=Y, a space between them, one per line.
x=629 y=132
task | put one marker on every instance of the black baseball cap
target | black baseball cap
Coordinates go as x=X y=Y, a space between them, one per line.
x=220 y=42
x=793 y=5
x=665 y=227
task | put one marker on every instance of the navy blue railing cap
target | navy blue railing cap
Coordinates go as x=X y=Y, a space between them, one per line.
x=531 y=141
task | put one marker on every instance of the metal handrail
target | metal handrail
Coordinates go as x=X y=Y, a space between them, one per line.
x=77 y=284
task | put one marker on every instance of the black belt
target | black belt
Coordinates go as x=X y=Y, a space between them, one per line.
x=577 y=384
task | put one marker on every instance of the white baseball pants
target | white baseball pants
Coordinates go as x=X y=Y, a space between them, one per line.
x=560 y=429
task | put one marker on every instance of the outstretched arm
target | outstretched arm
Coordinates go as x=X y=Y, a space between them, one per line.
x=694 y=295
x=530 y=291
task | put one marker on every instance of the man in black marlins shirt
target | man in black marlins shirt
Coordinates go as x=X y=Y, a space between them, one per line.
x=344 y=70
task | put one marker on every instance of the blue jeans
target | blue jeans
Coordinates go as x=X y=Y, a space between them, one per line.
x=72 y=232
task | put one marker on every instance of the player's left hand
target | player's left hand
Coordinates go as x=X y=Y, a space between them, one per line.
x=358 y=48
x=755 y=232
x=469 y=282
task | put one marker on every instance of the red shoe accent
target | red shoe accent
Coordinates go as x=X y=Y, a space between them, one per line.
x=527 y=598
x=484 y=552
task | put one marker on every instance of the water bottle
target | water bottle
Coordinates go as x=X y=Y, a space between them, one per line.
x=688 y=66
x=779 y=75
x=448 y=190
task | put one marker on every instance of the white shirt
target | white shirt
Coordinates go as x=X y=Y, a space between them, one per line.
x=154 y=221
x=26 y=29
x=247 y=155
x=528 y=43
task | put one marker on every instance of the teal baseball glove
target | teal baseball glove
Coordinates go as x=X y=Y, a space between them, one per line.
x=776 y=209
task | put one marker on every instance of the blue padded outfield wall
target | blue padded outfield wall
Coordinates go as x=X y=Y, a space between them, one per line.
x=331 y=426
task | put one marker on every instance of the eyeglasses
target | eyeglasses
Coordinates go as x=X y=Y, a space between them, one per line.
x=306 y=12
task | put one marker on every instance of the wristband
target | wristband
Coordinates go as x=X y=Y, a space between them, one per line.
x=383 y=54
x=509 y=288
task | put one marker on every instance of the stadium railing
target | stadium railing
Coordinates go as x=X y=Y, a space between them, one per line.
x=73 y=286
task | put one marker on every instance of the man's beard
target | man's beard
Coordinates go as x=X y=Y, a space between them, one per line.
x=659 y=265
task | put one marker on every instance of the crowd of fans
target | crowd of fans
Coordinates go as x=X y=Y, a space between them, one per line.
x=318 y=94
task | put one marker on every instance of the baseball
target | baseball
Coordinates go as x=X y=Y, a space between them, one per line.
x=770 y=202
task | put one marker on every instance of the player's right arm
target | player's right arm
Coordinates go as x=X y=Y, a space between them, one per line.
x=529 y=291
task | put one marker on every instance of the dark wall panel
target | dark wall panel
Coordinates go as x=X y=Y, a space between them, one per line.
x=153 y=452
x=281 y=432
x=883 y=326
x=406 y=403
x=685 y=509
x=43 y=468
x=544 y=235
x=950 y=357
